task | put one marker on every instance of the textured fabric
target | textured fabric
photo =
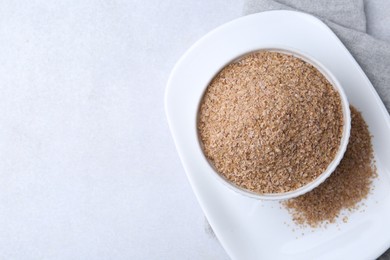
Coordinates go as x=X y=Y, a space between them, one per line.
x=345 y=13
x=347 y=19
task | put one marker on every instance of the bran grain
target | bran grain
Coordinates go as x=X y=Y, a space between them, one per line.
x=270 y=122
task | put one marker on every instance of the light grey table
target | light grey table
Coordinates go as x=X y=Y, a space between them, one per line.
x=88 y=169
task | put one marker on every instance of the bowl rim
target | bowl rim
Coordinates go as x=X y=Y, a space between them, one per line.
x=343 y=142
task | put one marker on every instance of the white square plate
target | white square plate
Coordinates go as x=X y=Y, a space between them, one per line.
x=252 y=229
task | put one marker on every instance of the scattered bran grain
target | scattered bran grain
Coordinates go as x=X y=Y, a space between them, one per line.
x=346 y=187
x=270 y=122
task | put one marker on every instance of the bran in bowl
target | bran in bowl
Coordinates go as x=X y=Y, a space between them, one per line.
x=270 y=122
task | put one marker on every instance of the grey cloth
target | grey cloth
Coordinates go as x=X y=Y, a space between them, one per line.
x=347 y=19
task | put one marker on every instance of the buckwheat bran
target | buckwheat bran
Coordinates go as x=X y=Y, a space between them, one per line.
x=270 y=122
x=346 y=187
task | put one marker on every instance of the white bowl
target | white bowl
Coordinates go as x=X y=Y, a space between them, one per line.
x=343 y=143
